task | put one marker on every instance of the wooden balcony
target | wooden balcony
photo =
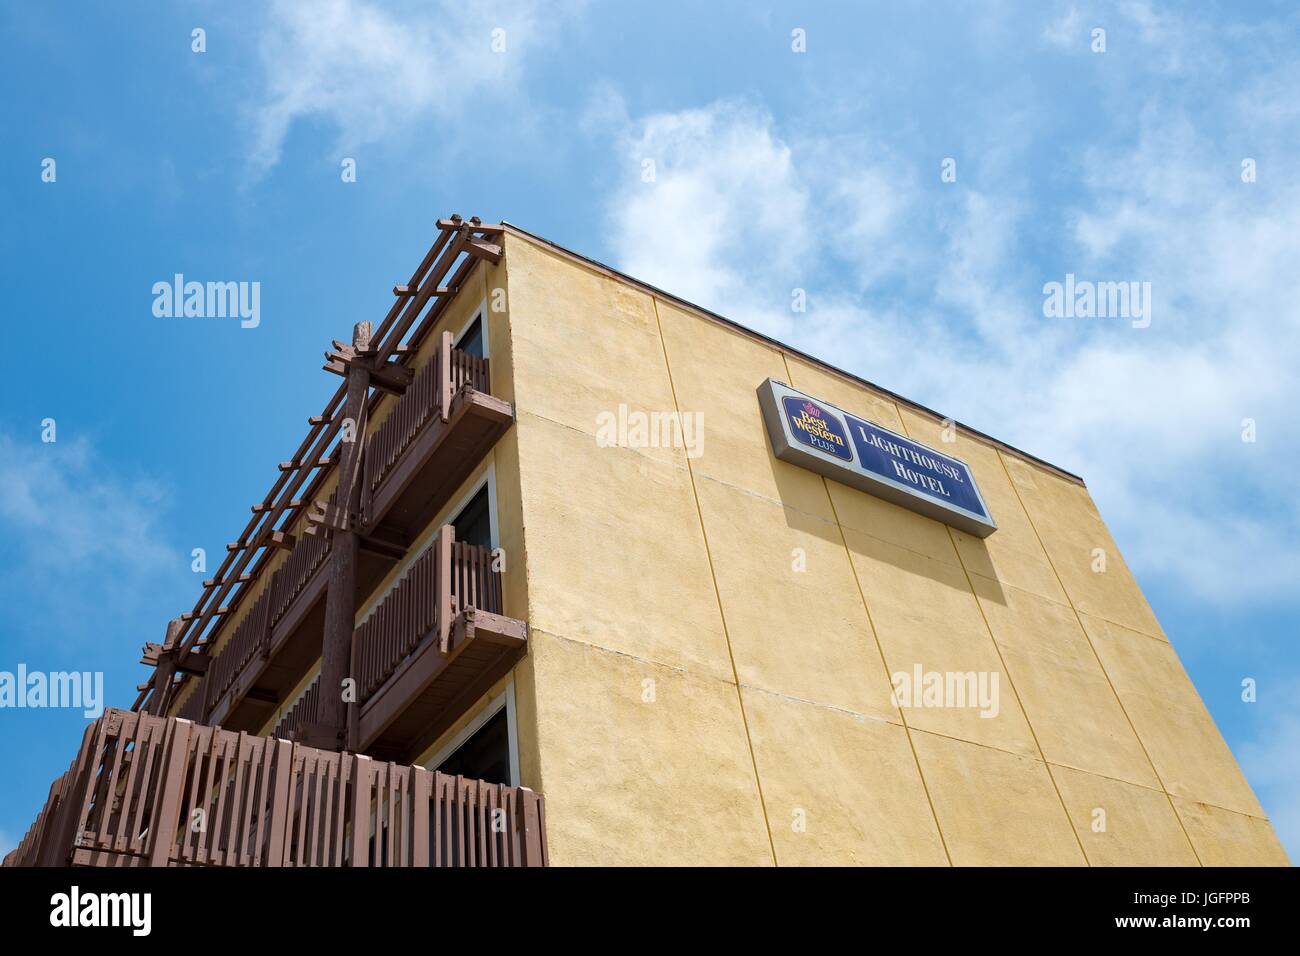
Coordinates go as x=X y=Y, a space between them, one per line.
x=434 y=645
x=272 y=647
x=155 y=791
x=435 y=436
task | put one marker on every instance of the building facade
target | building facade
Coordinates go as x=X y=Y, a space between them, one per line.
x=578 y=566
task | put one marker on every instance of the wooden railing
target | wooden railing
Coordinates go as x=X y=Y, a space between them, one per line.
x=252 y=635
x=447 y=578
x=156 y=791
x=474 y=583
x=289 y=579
x=300 y=714
x=428 y=395
x=195 y=706
x=249 y=639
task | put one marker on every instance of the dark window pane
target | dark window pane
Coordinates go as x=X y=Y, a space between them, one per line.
x=472 y=340
x=486 y=755
x=474 y=525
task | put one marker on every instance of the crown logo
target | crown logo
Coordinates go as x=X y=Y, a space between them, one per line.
x=812 y=409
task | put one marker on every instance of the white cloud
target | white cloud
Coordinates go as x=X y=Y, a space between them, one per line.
x=70 y=511
x=721 y=171
x=1067 y=30
x=84 y=543
x=1274 y=772
x=371 y=72
x=741 y=213
x=732 y=219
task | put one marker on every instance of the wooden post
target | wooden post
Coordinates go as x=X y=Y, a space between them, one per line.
x=361 y=812
x=165 y=670
x=446 y=387
x=442 y=587
x=281 y=811
x=162 y=828
x=340 y=600
x=530 y=829
x=421 y=779
x=354 y=706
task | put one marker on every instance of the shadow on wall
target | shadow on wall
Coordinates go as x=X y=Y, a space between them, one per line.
x=792 y=485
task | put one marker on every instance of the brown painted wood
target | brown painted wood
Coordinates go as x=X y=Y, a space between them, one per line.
x=268 y=803
x=165 y=669
x=204 y=620
x=436 y=460
x=340 y=598
x=493 y=654
x=360 y=810
x=163 y=824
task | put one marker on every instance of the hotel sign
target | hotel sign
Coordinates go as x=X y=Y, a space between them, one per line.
x=831 y=442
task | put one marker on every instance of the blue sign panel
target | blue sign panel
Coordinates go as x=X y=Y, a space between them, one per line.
x=830 y=441
x=894 y=457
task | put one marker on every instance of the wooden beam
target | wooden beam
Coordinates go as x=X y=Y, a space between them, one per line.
x=280 y=539
x=164 y=668
x=451 y=246
x=192 y=663
x=383 y=549
x=259 y=509
x=407 y=291
x=237 y=579
x=392 y=378
x=479 y=227
x=484 y=250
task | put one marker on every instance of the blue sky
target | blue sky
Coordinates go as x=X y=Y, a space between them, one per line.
x=774 y=171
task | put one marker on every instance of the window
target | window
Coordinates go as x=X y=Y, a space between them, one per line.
x=474 y=523
x=486 y=755
x=472 y=340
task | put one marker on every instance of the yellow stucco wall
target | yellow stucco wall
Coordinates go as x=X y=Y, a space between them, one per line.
x=690 y=697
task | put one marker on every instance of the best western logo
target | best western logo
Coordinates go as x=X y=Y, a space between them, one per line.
x=817 y=427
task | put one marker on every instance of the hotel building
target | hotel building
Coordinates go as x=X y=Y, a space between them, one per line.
x=572 y=571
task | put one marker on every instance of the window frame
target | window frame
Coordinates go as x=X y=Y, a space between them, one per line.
x=506 y=700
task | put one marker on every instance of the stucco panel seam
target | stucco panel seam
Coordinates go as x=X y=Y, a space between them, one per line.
x=1105 y=673
x=717 y=594
x=997 y=649
x=879 y=649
